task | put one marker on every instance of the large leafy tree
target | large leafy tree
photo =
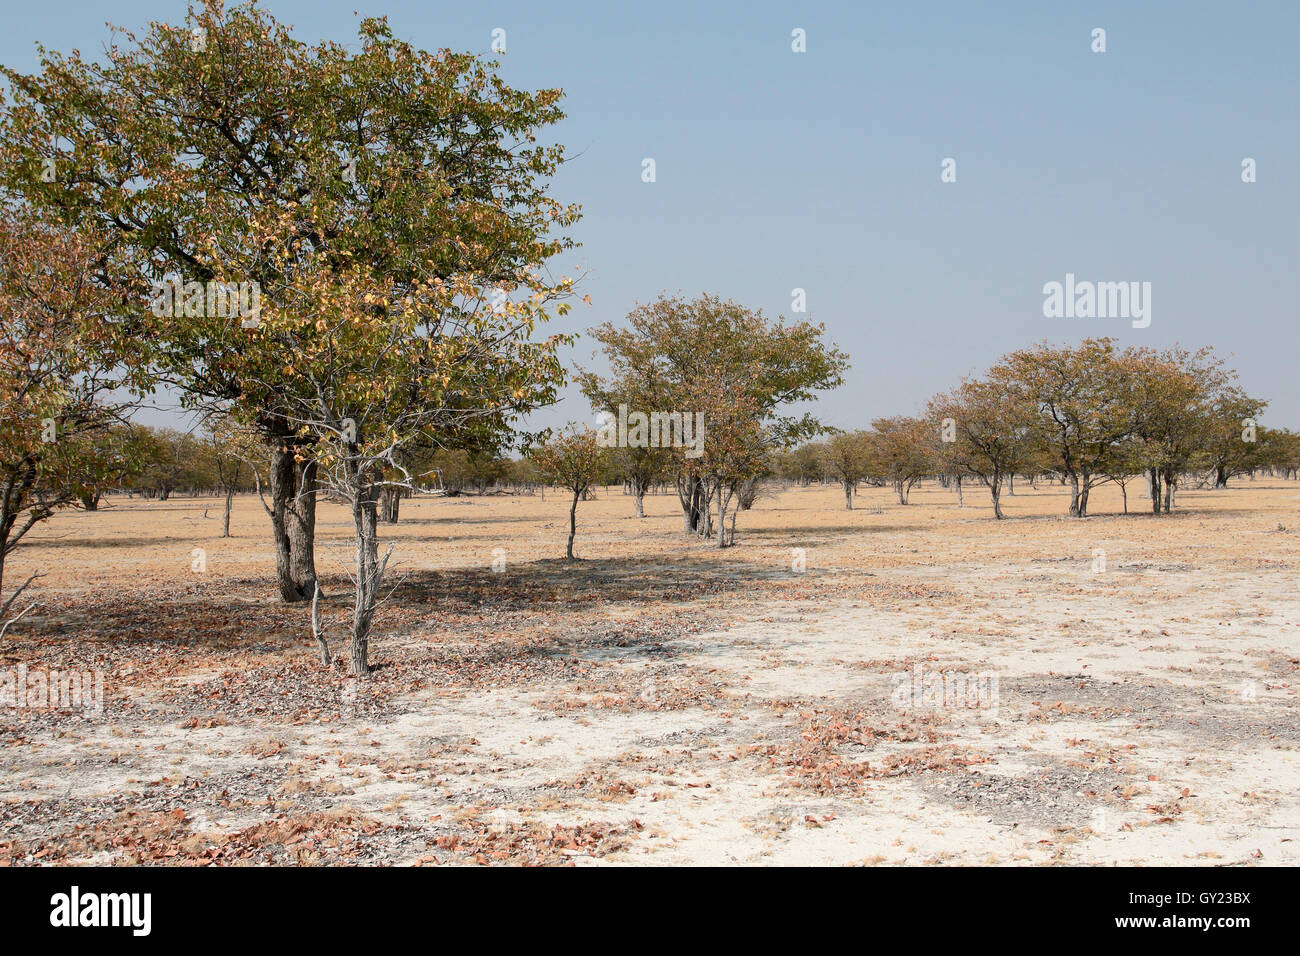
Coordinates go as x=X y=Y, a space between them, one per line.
x=1172 y=393
x=991 y=432
x=681 y=355
x=1230 y=444
x=226 y=150
x=1083 y=401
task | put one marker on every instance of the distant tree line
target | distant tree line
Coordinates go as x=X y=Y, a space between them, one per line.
x=1083 y=415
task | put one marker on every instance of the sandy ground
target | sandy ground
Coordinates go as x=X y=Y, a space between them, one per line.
x=662 y=702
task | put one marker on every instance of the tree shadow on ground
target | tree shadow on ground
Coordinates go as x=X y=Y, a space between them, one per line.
x=557 y=582
x=243 y=614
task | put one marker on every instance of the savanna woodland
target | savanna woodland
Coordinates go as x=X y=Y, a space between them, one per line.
x=350 y=603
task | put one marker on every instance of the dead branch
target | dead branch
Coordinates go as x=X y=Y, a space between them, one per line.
x=4 y=608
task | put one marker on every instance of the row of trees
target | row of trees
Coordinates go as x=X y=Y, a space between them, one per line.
x=1085 y=414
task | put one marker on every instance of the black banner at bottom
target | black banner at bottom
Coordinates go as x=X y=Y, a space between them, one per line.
x=187 y=905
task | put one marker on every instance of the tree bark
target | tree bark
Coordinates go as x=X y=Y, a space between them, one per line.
x=722 y=518
x=370 y=571
x=225 y=524
x=573 y=524
x=390 y=502
x=696 y=516
x=688 y=494
x=293 y=522
x=638 y=487
x=848 y=495
x=318 y=629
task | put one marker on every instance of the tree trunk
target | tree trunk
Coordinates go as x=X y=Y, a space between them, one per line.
x=722 y=518
x=573 y=524
x=898 y=490
x=389 y=502
x=365 y=508
x=1074 y=495
x=697 y=504
x=1153 y=482
x=225 y=524
x=961 y=503
x=689 y=496
x=90 y=502
x=293 y=522
x=1220 y=476
x=995 y=488
x=848 y=495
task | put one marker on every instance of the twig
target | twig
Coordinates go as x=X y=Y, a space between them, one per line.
x=4 y=609
x=14 y=620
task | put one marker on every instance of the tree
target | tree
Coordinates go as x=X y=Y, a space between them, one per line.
x=1172 y=394
x=990 y=432
x=734 y=454
x=640 y=464
x=1279 y=450
x=60 y=359
x=1230 y=433
x=1083 y=405
x=847 y=456
x=571 y=460
x=802 y=464
x=902 y=452
x=679 y=354
x=234 y=452
x=170 y=460
x=396 y=358
x=193 y=144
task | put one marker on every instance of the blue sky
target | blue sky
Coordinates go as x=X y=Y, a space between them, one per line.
x=821 y=170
